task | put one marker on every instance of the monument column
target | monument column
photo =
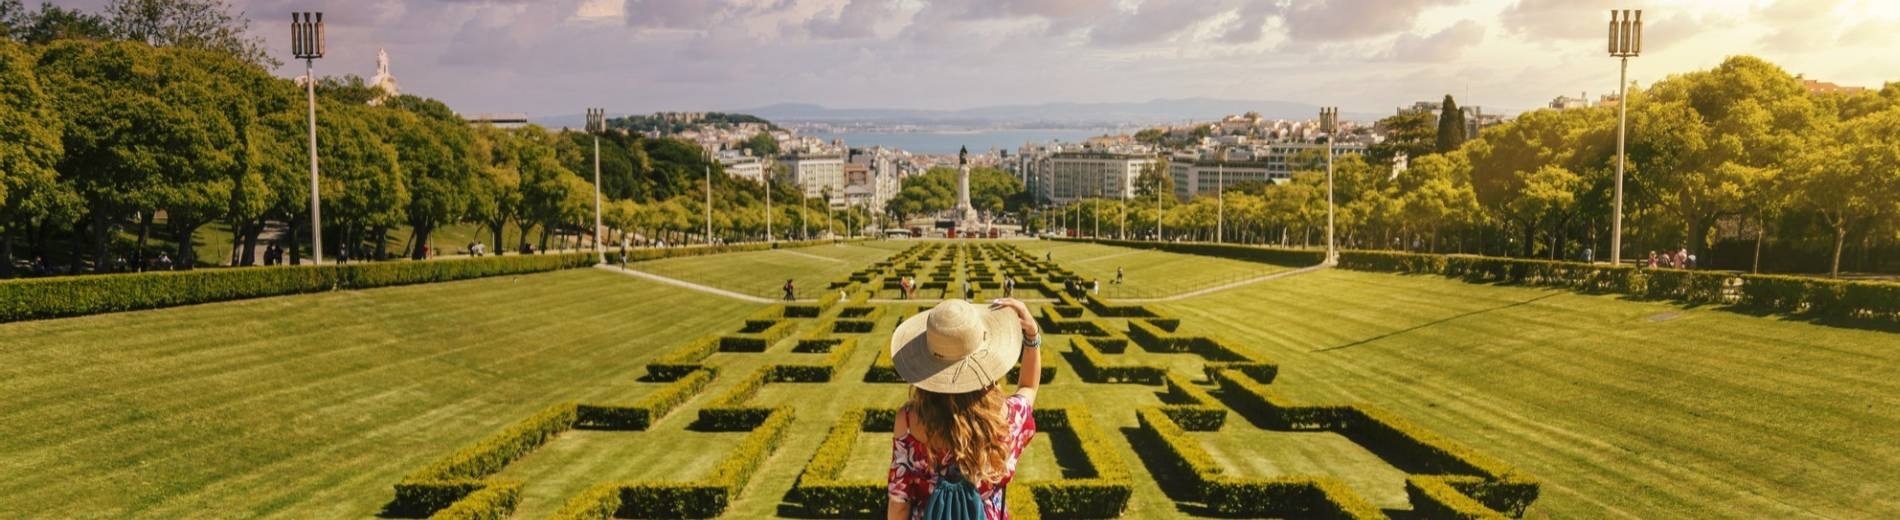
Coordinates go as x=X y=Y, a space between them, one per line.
x=965 y=213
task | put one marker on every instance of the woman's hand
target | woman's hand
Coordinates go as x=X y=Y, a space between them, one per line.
x=1022 y=314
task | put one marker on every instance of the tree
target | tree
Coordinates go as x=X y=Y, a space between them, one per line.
x=1451 y=126
x=196 y=24
x=761 y=145
x=363 y=183
x=1851 y=177
x=1412 y=134
x=51 y=23
x=438 y=160
x=30 y=148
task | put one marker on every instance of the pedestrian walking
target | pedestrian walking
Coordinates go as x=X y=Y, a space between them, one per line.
x=1118 y=275
x=790 y=291
x=1009 y=287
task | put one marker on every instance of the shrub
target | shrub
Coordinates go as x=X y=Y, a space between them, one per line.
x=1260 y=254
x=1433 y=498
x=1094 y=368
x=496 y=501
x=818 y=487
x=450 y=479
x=755 y=342
x=648 y=409
x=1195 y=409
x=596 y=503
x=1256 y=400
x=1293 y=497
x=40 y=298
x=844 y=326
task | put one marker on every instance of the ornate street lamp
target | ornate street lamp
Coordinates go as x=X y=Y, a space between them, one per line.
x=306 y=43
x=597 y=123
x=1626 y=41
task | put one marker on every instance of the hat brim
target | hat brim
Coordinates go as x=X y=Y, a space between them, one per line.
x=1003 y=346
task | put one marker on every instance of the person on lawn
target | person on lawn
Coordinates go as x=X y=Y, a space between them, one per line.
x=955 y=443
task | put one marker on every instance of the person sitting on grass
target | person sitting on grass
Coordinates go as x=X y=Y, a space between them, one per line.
x=956 y=442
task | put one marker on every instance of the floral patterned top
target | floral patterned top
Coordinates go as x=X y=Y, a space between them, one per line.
x=911 y=469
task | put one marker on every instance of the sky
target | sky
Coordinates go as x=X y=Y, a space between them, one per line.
x=556 y=57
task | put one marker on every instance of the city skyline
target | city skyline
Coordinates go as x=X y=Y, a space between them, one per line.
x=635 y=56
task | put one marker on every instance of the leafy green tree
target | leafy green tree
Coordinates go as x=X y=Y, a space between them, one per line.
x=30 y=149
x=363 y=181
x=761 y=145
x=196 y=24
x=51 y=23
x=1451 y=126
x=437 y=155
x=1850 y=177
x=1413 y=134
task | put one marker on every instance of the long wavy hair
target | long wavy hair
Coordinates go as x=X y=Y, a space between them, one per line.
x=970 y=425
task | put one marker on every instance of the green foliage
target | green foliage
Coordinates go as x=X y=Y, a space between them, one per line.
x=991 y=190
x=1433 y=498
x=459 y=475
x=1451 y=126
x=642 y=414
x=1265 y=255
x=74 y=296
x=496 y=501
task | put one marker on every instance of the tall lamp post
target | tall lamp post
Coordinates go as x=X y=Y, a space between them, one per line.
x=708 y=239
x=306 y=43
x=1220 y=201
x=1626 y=41
x=768 y=208
x=1329 y=123
x=597 y=123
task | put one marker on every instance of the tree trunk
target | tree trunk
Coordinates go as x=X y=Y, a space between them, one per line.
x=382 y=243
x=182 y=230
x=421 y=239
x=1530 y=240
x=145 y=233
x=6 y=253
x=1761 y=228
x=1840 y=239
x=497 y=228
x=544 y=239
x=251 y=231
x=237 y=244
x=102 y=244
x=291 y=240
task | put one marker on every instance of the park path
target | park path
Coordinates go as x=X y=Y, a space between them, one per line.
x=1223 y=287
x=812 y=256
x=690 y=285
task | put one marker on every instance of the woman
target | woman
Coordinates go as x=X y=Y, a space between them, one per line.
x=959 y=431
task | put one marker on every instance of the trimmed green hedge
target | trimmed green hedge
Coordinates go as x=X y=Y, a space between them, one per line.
x=1836 y=299
x=683 y=359
x=819 y=487
x=1196 y=410
x=495 y=502
x=1433 y=498
x=706 y=497
x=1236 y=496
x=1093 y=367
x=642 y=414
x=756 y=341
x=460 y=475
x=40 y=298
x=1267 y=255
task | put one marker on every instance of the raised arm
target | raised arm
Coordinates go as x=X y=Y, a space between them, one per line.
x=1030 y=376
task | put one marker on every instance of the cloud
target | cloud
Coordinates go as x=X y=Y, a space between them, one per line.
x=857 y=19
x=1157 y=20
x=1348 y=20
x=1559 y=19
x=1445 y=45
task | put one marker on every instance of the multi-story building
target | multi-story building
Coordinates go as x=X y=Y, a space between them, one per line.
x=1475 y=118
x=1072 y=175
x=1566 y=102
x=742 y=166
x=815 y=173
x=1205 y=171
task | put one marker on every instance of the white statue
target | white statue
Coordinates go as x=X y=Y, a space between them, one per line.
x=383 y=81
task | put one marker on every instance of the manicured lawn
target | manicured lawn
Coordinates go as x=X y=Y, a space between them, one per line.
x=310 y=406
x=763 y=273
x=1146 y=274
x=1624 y=408
x=314 y=406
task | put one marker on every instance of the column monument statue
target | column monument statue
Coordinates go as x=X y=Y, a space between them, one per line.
x=965 y=213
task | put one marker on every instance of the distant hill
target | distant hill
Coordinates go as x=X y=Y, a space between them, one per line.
x=1146 y=112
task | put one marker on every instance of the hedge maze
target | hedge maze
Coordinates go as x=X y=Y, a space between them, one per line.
x=814 y=351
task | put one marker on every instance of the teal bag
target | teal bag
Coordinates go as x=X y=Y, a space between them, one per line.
x=953 y=498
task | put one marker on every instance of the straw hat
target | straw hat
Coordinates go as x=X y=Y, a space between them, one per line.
x=957 y=347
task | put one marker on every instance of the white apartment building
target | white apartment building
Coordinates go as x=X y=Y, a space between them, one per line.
x=1070 y=175
x=1205 y=171
x=741 y=166
x=815 y=173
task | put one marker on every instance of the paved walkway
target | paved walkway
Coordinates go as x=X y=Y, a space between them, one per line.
x=690 y=285
x=1218 y=288
x=812 y=256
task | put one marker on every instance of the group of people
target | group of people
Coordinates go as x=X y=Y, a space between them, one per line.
x=1681 y=259
x=273 y=255
x=1077 y=287
x=906 y=288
